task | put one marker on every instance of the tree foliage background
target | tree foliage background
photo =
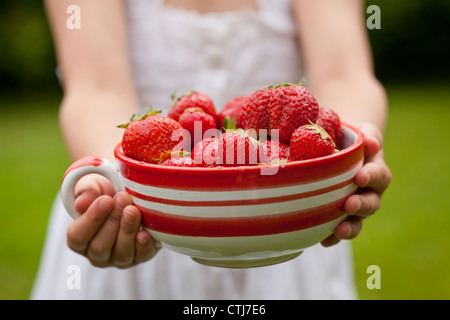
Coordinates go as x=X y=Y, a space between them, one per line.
x=413 y=44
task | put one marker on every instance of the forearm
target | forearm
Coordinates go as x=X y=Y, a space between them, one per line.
x=355 y=99
x=89 y=121
x=338 y=60
x=97 y=81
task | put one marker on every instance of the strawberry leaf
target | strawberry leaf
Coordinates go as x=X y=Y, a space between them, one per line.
x=174 y=97
x=229 y=124
x=147 y=112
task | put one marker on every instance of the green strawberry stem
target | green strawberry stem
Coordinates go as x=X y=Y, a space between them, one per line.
x=286 y=84
x=147 y=112
x=175 y=98
x=229 y=124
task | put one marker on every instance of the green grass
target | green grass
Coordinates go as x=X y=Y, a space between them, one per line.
x=32 y=162
x=408 y=238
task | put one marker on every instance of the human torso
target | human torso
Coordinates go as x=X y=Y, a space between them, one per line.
x=223 y=53
x=205 y=6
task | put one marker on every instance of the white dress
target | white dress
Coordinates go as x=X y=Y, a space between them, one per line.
x=225 y=55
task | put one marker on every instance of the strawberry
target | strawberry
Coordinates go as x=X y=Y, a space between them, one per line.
x=310 y=141
x=196 y=122
x=284 y=107
x=205 y=153
x=230 y=115
x=150 y=135
x=179 y=162
x=271 y=151
x=237 y=148
x=191 y=99
x=329 y=120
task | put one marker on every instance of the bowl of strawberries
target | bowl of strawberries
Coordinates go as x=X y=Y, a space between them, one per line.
x=247 y=195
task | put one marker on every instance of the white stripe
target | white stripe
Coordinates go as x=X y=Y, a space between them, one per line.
x=173 y=194
x=250 y=210
x=249 y=247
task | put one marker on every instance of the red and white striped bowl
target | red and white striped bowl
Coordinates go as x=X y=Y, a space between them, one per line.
x=235 y=216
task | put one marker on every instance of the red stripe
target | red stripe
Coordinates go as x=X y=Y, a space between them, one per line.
x=227 y=203
x=240 y=226
x=84 y=162
x=239 y=178
x=227 y=179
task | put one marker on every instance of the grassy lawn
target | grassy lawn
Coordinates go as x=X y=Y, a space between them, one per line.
x=408 y=238
x=32 y=162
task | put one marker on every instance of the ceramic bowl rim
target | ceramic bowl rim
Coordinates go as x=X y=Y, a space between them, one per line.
x=237 y=169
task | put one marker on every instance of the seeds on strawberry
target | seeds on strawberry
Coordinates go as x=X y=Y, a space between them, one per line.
x=284 y=107
x=196 y=122
x=273 y=151
x=205 y=153
x=230 y=115
x=192 y=99
x=329 y=120
x=310 y=141
x=179 y=162
x=151 y=136
x=238 y=148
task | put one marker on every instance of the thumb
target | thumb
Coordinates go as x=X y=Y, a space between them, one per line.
x=89 y=188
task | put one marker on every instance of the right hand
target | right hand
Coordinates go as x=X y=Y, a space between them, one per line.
x=108 y=232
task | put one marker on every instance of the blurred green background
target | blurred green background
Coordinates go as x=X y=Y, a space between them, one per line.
x=408 y=238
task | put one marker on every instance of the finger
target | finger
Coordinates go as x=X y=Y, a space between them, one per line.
x=89 y=188
x=372 y=147
x=124 y=249
x=330 y=241
x=145 y=249
x=82 y=230
x=100 y=247
x=375 y=175
x=372 y=132
x=364 y=204
x=85 y=199
x=349 y=228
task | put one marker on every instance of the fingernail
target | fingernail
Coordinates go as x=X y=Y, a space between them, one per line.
x=349 y=232
x=142 y=240
x=357 y=206
x=130 y=217
x=366 y=182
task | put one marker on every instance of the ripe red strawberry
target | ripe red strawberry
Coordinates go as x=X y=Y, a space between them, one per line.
x=149 y=136
x=329 y=120
x=196 y=122
x=271 y=151
x=205 y=153
x=192 y=99
x=179 y=162
x=310 y=141
x=230 y=115
x=238 y=148
x=284 y=107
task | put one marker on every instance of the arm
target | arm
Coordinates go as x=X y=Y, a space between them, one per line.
x=98 y=90
x=98 y=95
x=340 y=75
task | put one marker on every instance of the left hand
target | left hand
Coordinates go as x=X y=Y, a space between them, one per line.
x=372 y=180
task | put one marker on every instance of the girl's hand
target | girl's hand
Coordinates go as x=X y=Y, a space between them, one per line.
x=372 y=179
x=108 y=232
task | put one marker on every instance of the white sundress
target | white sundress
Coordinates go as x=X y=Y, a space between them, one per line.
x=225 y=55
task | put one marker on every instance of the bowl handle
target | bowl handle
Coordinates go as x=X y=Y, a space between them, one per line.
x=81 y=168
